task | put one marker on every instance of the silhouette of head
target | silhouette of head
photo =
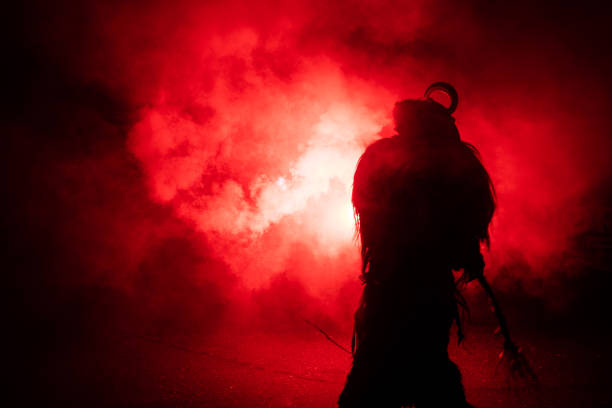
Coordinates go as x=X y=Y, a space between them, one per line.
x=425 y=120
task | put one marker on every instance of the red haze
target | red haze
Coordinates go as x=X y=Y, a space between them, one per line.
x=257 y=127
x=170 y=165
x=237 y=126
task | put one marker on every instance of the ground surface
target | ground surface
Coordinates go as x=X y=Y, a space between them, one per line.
x=240 y=369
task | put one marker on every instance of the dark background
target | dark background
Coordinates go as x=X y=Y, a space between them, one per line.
x=93 y=263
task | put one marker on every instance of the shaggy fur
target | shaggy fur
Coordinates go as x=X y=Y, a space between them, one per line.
x=423 y=203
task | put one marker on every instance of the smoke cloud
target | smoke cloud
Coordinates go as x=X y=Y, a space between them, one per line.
x=185 y=155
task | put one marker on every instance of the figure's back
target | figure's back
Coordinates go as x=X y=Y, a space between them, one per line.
x=423 y=202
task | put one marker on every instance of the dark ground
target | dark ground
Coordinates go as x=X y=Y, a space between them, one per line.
x=242 y=369
x=79 y=362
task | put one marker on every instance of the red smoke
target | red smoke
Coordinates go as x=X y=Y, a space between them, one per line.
x=254 y=131
x=273 y=154
x=246 y=121
x=171 y=165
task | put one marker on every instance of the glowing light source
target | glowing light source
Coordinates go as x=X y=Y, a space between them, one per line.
x=284 y=155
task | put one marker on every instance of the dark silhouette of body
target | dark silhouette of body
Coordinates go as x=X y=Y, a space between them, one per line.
x=423 y=202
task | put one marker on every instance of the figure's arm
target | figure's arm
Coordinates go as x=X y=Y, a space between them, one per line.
x=470 y=260
x=512 y=353
x=473 y=265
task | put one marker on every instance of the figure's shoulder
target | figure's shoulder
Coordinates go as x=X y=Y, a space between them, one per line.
x=381 y=145
x=381 y=162
x=381 y=151
x=469 y=161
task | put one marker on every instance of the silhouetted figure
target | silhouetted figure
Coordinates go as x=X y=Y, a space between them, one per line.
x=423 y=202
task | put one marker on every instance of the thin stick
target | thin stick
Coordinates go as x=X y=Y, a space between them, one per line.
x=509 y=345
x=327 y=336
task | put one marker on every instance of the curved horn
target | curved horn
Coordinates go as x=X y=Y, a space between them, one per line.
x=450 y=91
